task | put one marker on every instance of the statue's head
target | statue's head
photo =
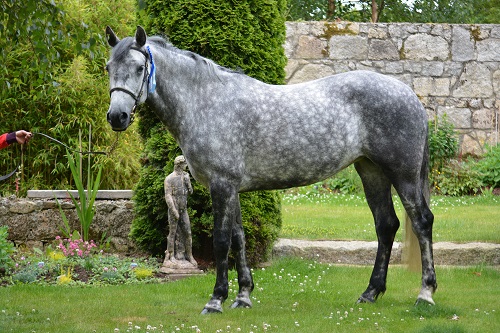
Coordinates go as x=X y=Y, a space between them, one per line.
x=180 y=163
x=179 y=160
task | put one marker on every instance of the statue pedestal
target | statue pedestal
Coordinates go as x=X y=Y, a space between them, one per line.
x=179 y=267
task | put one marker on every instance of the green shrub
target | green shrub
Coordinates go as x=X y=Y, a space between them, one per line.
x=458 y=178
x=242 y=34
x=25 y=276
x=443 y=142
x=53 y=82
x=346 y=181
x=489 y=167
x=6 y=250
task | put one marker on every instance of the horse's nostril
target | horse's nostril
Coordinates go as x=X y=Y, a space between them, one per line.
x=123 y=116
x=108 y=117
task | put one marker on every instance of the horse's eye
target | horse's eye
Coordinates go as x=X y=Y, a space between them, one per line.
x=140 y=69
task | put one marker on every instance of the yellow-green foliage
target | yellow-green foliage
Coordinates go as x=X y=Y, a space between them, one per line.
x=56 y=255
x=66 y=276
x=143 y=273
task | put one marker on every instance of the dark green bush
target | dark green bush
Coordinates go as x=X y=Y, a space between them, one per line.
x=6 y=251
x=458 y=178
x=443 y=142
x=489 y=167
x=236 y=34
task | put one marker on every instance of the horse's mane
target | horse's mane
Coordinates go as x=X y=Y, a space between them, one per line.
x=164 y=43
x=122 y=48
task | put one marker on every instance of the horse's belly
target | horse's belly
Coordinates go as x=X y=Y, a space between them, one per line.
x=279 y=172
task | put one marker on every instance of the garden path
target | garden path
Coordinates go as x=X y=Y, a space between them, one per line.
x=363 y=253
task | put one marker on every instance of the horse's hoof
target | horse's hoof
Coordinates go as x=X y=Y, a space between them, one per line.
x=213 y=306
x=427 y=300
x=365 y=299
x=210 y=310
x=425 y=296
x=241 y=303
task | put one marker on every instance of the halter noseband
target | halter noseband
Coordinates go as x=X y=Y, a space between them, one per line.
x=138 y=96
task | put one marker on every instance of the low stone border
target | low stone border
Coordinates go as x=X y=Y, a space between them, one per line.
x=35 y=222
x=63 y=194
x=363 y=253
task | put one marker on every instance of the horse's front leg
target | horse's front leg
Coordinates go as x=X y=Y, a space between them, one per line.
x=245 y=280
x=224 y=205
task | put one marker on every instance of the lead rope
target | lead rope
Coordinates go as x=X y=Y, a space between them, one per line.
x=18 y=169
x=111 y=149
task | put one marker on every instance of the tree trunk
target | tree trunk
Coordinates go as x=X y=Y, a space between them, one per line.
x=331 y=9
x=374 y=11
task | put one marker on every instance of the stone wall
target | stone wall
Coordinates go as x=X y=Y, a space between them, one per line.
x=454 y=69
x=36 y=222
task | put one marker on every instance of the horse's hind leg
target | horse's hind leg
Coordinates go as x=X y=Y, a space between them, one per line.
x=245 y=280
x=377 y=188
x=422 y=219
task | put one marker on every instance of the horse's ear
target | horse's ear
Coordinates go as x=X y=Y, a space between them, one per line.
x=140 y=36
x=112 y=39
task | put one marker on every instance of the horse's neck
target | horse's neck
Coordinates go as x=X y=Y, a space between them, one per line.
x=175 y=79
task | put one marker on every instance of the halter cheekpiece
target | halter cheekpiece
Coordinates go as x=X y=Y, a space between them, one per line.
x=151 y=79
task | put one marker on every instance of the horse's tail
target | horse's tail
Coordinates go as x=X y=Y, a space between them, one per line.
x=411 y=250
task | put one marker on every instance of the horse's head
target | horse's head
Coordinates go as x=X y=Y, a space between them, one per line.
x=128 y=76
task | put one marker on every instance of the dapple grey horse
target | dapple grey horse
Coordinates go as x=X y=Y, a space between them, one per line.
x=239 y=134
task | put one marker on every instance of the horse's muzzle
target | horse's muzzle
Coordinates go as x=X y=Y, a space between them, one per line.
x=119 y=120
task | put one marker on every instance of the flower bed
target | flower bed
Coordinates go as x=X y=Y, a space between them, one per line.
x=77 y=262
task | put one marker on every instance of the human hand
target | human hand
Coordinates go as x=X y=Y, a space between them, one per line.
x=23 y=136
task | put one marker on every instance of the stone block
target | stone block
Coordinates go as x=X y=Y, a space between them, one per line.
x=495 y=32
x=22 y=207
x=394 y=67
x=442 y=29
x=348 y=47
x=483 y=119
x=311 y=72
x=426 y=47
x=459 y=117
x=428 y=86
x=462 y=45
x=412 y=66
x=474 y=141
x=432 y=68
x=488 y=49
x=311 y=48
x=377 y=31
x=475 y=81
x=382 y=50
x=496 y=83
x=398 y=31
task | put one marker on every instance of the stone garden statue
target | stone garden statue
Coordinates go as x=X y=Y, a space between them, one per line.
x=179 y=253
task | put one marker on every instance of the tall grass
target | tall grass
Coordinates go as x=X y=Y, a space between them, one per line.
x=312 y=215
x=291 y=295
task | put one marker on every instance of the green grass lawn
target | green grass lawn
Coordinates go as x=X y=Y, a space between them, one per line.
x=290 y=296
x=347 y=217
